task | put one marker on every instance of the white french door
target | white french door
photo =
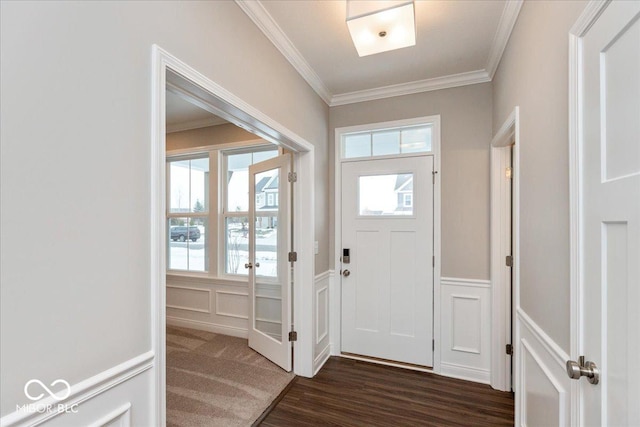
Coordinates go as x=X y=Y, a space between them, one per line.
x=387 y=279
x=610 y=218
x=269 y=267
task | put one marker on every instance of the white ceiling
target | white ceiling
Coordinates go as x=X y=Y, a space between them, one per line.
x=184 y=115
x=458 y=42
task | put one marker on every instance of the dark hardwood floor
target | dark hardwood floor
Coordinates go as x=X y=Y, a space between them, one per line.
x=352 y=393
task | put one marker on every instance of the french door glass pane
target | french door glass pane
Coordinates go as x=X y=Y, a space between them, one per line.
x=238 y=178
x=267 y=246
x=267 y=191
x=385 y=195
x=187 y=242
x=237 y=245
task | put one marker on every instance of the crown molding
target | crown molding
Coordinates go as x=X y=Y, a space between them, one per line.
x=505 y=27
x=437 y=83
x=265 y=22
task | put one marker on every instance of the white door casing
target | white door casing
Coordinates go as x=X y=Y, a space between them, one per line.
x=607 y=246
x=387 y=300
x=266 y=336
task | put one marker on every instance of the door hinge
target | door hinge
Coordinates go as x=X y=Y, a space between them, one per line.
x=508 y=172
x=433 y=261
x=293 y=256
x=293 y=336
x=509 y=349
x=433 y=176
x=292 y=177
x=508 y=260
x=433 y=345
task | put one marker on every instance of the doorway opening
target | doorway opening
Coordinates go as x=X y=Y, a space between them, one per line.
x=388 y=237
x=504 y=251
x=206 y=244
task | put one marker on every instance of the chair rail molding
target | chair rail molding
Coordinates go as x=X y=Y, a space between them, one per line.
x=83 y=391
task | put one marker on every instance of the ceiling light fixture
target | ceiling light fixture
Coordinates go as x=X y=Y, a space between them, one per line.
x=381 y=25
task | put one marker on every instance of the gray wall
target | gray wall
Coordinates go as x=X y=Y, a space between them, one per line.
x=533 y=74
x=75 y=168
x=465 y=114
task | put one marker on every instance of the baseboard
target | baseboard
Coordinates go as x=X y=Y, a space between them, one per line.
x=208 y=327
x=84 y=390
x=465 y=373
x=321 y=359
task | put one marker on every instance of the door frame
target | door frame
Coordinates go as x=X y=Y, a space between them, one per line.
x=505 y=237
x=335 y=293
x=585 y=21
x=220 y=101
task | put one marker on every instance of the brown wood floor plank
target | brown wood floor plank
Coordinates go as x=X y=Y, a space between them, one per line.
x=352 y=393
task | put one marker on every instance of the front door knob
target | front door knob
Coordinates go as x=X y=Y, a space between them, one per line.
x=578 y=369
x=346 y=273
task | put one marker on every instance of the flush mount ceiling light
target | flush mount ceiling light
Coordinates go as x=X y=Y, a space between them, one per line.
x=379 y=26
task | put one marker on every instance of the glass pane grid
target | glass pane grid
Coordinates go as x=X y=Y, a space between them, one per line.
x=187 y=241
x=388 y=142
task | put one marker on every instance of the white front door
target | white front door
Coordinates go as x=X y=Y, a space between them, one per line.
x=387 y=285
x=269 y=267
x=610 y=212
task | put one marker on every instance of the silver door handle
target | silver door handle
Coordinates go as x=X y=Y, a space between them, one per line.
x=578 y=369
x=248 y=265
x=257 y=264
x=346 y=273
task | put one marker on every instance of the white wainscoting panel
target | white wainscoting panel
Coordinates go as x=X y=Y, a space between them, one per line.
x=190 y=299
x=117 y=397
x=220 y=306
x=465 y=329
x=543 y=384
x=322 y=328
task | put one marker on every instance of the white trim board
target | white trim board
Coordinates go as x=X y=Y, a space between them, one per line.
x=270 y=28
x=216 y=99
x=335 y=294
x=589 y=15
x=84 y=390
x=505 y=240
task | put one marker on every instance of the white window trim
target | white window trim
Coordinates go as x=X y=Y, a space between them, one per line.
x=216 y=241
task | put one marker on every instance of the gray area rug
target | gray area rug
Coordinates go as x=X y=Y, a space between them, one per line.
x=217 y=380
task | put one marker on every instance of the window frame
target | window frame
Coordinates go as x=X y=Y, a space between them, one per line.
x=224 y=213
x=206 y=214
x=376 y=130
x=216 y=241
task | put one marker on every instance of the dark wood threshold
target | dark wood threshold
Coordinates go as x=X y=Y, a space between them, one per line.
x=387 y=362
x=275 y=402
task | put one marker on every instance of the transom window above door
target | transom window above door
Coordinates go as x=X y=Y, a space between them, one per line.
x=388 y=142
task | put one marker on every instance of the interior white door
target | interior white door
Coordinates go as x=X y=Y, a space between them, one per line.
x=610 y=211
x=387 y=285
x=269 y=267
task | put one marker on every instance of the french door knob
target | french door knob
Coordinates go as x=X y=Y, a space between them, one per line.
x=249 y=265
x=578 y=369
x=257 y=264
x=346 y=273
